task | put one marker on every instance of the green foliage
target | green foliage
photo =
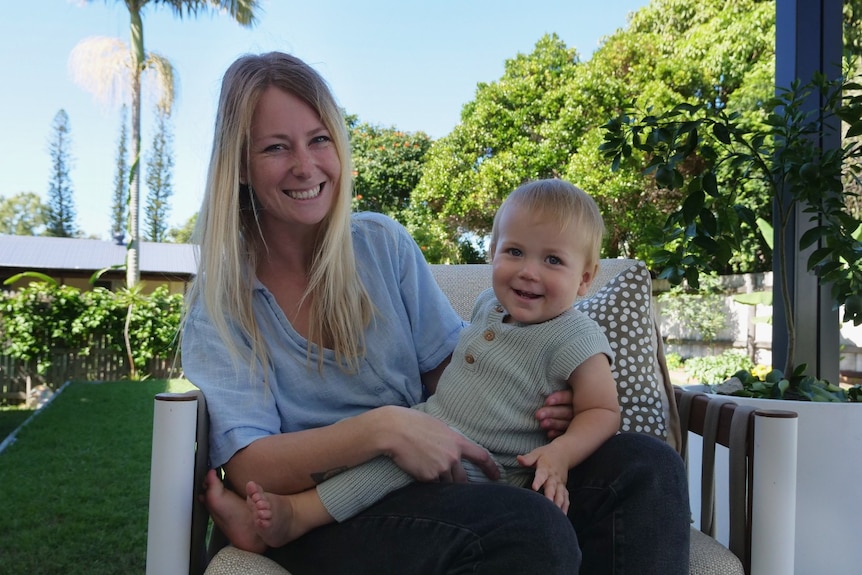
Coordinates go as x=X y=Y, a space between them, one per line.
x=702 y=311
x=22 y=214
x=388 y=164
x=673 y=360
x=183 y=234
x=160 y=167
x=60 y=213
x=798 y=386
x=542 y=118
x=784 y=156
x=513 y=131
x=120 y=199
x=43 y=317
x=714 y=369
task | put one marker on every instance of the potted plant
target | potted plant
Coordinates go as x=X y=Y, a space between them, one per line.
x=706 y=156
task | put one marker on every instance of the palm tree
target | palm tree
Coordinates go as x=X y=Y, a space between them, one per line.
x=98 y=65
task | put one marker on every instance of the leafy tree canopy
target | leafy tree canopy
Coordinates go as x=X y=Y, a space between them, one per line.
x=543 y=117
x=22 y=214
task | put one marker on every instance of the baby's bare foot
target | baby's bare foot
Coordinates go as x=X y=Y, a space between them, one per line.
x=273 y=515
x=231 y=516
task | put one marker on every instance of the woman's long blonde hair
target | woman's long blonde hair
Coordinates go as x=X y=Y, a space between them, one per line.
x=230 y=239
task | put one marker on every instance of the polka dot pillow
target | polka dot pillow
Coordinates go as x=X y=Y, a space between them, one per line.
x=620 y=302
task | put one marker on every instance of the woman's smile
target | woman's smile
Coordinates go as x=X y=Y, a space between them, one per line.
x=309 y=194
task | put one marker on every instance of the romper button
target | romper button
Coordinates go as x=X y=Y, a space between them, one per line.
x=498 y=308
x=489 y=335
x=469 y=358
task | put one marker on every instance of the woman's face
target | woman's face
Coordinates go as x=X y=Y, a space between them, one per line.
x=293 y=165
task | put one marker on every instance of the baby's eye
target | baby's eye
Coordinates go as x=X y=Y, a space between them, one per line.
x=514 y=252
x=554 y=260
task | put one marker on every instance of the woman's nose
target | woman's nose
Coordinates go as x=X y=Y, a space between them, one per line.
x=301 y=167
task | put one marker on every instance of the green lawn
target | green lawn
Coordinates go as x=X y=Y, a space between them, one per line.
x=11 y=418
x=74 y=487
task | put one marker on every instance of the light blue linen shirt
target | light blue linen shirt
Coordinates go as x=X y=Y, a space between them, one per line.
x=413 y=331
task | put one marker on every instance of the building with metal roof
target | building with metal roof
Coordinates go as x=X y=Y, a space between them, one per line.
x=73 y=261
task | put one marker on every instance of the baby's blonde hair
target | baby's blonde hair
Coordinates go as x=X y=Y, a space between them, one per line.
x=565 y=205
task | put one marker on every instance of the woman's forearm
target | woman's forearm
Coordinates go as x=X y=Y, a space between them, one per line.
x=293 y=462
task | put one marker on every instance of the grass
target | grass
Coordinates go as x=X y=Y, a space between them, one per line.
x=74 y=487
x=10 y=418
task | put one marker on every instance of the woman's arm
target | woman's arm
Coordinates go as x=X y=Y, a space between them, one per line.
x=420 y=444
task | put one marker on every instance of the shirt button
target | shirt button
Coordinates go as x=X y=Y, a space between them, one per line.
x=498 y=308
x=469 y=358
x=489 y=335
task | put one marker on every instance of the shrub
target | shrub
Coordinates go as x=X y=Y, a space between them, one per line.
x=715 y=369
x=43 y=317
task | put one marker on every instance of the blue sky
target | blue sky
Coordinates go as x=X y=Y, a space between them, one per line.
x=407 y=64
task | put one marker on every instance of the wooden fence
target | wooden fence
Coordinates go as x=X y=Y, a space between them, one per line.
x=18 y=378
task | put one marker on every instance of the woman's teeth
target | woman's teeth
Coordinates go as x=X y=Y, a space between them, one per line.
x=305 y=195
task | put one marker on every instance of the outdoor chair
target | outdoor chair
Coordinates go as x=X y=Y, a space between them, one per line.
x=761 y=446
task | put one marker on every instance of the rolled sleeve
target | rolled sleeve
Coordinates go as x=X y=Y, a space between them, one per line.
x=241 y=406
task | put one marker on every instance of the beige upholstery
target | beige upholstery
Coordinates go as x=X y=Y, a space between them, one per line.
x=232 y=561
x=462 y=283
x=709 y=557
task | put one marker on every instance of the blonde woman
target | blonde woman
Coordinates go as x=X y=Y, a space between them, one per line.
x=312 y=331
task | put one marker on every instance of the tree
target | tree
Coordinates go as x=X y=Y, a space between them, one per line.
x=508 y=134
x=121 y=183
x=22 y=214
x=542 y=118
x=132 y=63
x=388 y=165
x=160 y=165
x=60 y=216
x=183 y=234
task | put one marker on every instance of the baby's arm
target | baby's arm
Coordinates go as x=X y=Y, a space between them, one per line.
x=596 y=419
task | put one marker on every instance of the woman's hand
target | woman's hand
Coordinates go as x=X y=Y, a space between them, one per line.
x=428 y=449
x=557 y=413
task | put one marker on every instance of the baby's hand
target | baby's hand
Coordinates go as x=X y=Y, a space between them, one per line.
x=550 y=477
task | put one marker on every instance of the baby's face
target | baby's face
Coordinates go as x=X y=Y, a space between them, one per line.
x=538 y=270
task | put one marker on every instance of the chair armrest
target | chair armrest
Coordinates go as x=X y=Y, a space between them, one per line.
x=761 y=482
x=773 y=514
x=172 y=485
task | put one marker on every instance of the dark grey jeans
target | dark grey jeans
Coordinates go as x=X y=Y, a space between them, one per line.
x=629 y=509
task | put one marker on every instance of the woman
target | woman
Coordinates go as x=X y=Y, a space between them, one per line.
x=311 y=332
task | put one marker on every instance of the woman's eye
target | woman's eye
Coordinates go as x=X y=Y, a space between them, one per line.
x=321 y=140
x=275 y=148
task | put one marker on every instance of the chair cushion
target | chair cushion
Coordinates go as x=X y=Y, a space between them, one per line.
x=232 y=561
x=709 y=557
